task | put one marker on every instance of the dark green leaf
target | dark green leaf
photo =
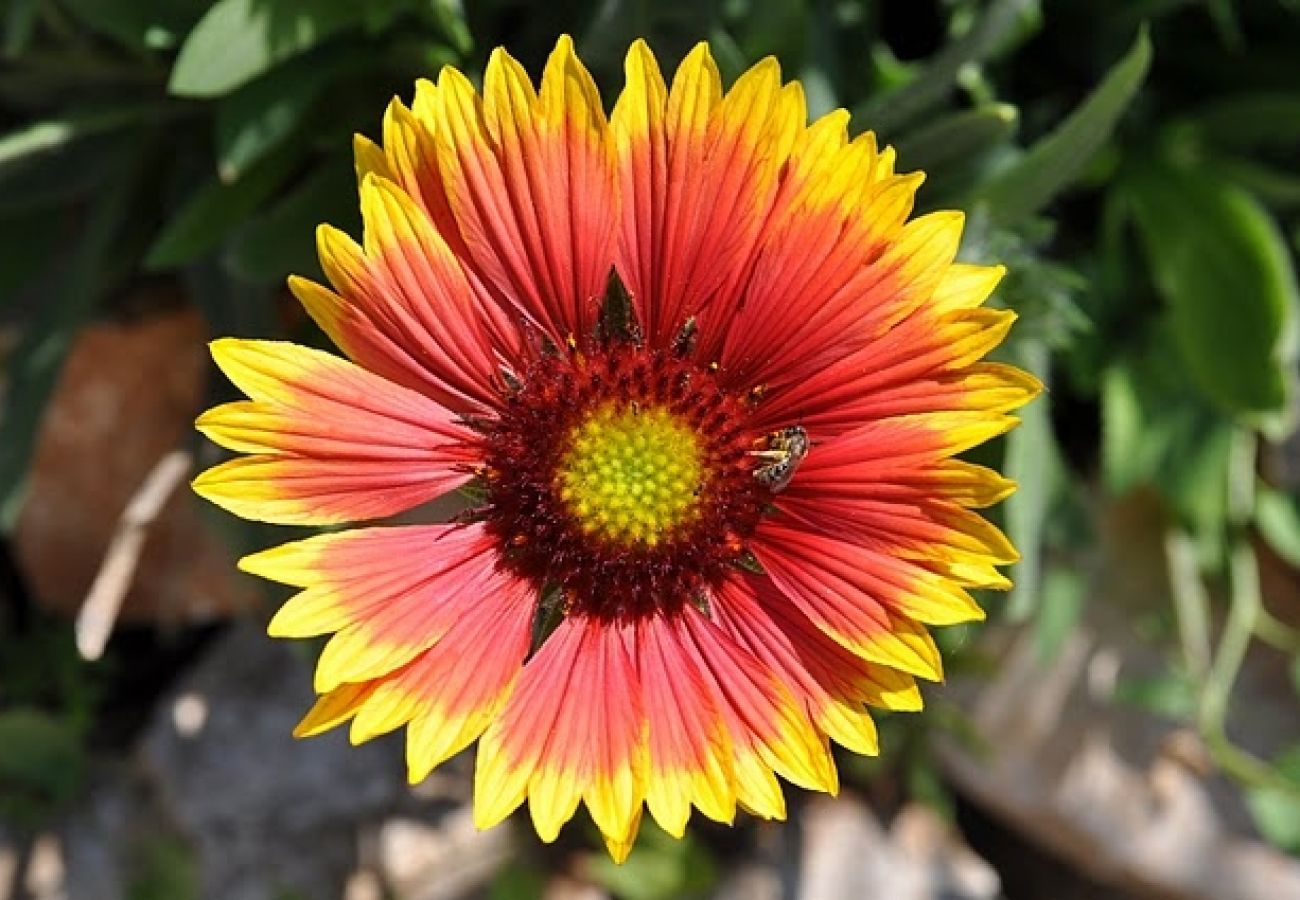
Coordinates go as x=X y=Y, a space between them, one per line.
x=1275 y=187
x=449 y=17
x=37 y=360
x=18 y=21
x=31 y=243
x=1222 y=267
x=138 y=25
x=1157 y=434
x=255 y=119
x=891 y=110
x=41 y=766
x=518 y=881
x=957 y=137
x=283 y=240
x=238 y=40
x=217 y=209
x=1246 y=121
x=1055 y=161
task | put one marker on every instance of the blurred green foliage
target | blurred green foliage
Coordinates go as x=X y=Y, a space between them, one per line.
x=1133 y=163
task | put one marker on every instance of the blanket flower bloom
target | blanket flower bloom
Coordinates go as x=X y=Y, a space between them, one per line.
x=704 y=384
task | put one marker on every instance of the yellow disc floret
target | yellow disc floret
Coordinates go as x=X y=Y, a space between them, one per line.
x=631 y=475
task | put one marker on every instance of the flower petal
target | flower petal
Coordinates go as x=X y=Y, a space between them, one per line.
x=834 y=261
x=926 y=362
x=690 y=748
x=698 y=172
x=451 y=692
x=831 y=682
x=389 y=593
x=334 y=442
x=769 y=730
x=849 y=593
x=530 y=181
x=891 y=486
x=573 y=730
x=404 y=307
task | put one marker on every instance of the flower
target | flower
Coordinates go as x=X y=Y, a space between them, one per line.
x=706 y=385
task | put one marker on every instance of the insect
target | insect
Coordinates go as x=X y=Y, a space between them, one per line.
x=785 y=449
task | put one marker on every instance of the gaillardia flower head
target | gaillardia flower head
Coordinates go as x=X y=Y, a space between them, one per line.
x=704 y=385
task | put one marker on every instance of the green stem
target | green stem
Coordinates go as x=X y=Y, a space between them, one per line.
x=1276 y=633
x=1191 y=602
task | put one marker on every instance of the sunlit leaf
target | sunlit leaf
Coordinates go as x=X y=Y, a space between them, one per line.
x=254 y=120
x=1275 y=809
x=237 y=40
x=1277 y=515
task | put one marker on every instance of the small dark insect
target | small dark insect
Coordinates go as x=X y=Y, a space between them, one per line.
x=785 y=450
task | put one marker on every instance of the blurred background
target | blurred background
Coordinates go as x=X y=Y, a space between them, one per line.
x=1127 y=725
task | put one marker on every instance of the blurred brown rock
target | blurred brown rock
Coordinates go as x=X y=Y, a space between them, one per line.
x=128 y=394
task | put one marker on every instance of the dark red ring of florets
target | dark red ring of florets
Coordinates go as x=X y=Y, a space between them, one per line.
x=539 y=537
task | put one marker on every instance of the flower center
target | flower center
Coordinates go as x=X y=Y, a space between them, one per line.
x=631 y=475
x=621 y=477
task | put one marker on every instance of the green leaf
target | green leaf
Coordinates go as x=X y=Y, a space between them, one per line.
x=1157 y=434
x=1032 y=461
x=31 y=242
x=1060 y=610
x=216 y=210
x=238 y=40
x=1222 y=267
x=1170 y=695
x=283 y=240
x=889 y=111
x=1275 y=187
x=51 y=135
x=35 y=363
x=957 y=137
x=19 y=19
x=1277 y=816
x=1275 y=809
x=1277 y=516
x=449 y=18
x=1056 y=160
x=41 y=766
x=138 y=25
x=1251 y=120
x=659 y=868
x=258 y=117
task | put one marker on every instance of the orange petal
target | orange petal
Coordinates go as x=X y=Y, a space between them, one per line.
x=512 y=163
